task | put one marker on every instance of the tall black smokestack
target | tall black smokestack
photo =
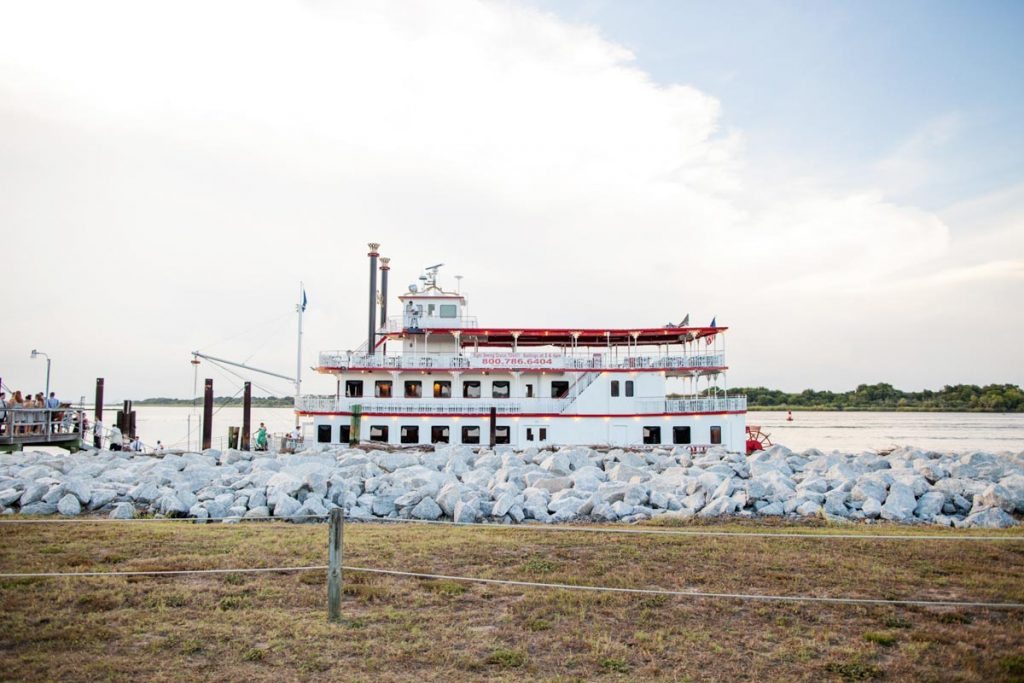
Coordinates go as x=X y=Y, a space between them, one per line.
x=384 y=268
x=371 y=339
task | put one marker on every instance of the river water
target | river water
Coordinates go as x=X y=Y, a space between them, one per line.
x=826 y=431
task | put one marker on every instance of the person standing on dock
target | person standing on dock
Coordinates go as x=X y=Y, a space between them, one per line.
x=136 y=445
x=3 y=412
x=97 y=431
x=261 y=437
x=116 y=439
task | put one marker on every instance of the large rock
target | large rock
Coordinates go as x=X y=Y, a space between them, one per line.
x=123 y=511
x=286 y=506
x=427 y=509
x=989 y=518
x=466 y=511
x=33 y=492
x=929 y=505
x=69 y=506
x=900 y=503
x=996 y=496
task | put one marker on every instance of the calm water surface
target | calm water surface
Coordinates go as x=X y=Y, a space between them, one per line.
x=823 y=430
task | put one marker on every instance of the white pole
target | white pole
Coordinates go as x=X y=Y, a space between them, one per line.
x=298 y=356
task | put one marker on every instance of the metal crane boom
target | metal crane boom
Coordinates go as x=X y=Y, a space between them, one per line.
x=197 y=354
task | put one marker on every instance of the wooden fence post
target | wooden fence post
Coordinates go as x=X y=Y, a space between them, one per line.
x=336 y=534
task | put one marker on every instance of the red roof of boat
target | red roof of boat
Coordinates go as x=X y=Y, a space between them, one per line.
x=504 y=336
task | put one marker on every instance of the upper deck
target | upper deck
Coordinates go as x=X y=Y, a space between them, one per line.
x=694 y=362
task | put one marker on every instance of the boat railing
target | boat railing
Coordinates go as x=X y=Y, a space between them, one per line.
x=697 y=405
x=447 y=406
x=515 y=361
x=405 y=323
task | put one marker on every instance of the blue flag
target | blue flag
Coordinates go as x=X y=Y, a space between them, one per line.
x=713 y=322
x=303 y=298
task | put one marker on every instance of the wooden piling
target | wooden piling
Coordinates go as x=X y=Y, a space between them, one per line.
x=494 y=426
x=207 y=414
x=336 y=535
x=97 y=439
x=246 y=416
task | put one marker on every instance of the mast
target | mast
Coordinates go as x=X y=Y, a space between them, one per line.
x=299 y=308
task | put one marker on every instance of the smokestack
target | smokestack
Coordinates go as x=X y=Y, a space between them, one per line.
x=372 y=334
x=384 y=268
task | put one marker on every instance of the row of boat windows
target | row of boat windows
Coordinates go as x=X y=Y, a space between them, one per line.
x=410 y=434
x=384 y=388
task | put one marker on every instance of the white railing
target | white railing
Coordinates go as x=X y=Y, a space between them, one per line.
x=515 y=361
x=440 y=406
x=697 y=405
x=401 y=323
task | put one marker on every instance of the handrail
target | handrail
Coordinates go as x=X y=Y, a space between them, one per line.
x=445 y=406
x=34 y=422
x=525 y=361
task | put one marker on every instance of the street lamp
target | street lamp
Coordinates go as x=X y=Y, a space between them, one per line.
x=36 y=354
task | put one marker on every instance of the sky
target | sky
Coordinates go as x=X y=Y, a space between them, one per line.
x=839 y=183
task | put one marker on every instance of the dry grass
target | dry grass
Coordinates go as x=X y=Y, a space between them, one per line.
x=273 y=626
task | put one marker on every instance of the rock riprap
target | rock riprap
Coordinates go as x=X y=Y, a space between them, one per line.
x=503 y=485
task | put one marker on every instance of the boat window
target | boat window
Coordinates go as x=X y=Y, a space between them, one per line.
x=471 y=389
x=382 y=388
x=629 y=387
x=680 y=435
x=652 y=435
x=413 y=388
x=716 y=434
x=615 y=387
x=430 y=310
x=442 y=389
x=345 y=434
x=529 y=391
x=470 y=435
x=502 y=434
x=559 y=389
x=410 y=434
x=439 y=434
x=323 y=433
x=500 y=389
x=543 y=433
x=353 y=388
x=449 y=311
x=529 y=433
x=379 y=433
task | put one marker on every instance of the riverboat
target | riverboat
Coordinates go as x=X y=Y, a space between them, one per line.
x=434 y=375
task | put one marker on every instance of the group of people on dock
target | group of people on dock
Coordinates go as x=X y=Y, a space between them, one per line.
x=36 y=415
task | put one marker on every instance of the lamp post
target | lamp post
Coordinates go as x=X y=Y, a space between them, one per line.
x=36 y=354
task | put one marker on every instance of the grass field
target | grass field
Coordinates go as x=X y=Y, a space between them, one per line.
x=273 y=626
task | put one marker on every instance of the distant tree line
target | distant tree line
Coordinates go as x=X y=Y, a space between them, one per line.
x=994 y=398
x=261 y=402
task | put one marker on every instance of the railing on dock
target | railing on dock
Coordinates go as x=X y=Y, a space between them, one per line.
x=40 y=426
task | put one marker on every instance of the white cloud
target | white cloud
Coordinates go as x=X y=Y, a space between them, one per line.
x=195 y=160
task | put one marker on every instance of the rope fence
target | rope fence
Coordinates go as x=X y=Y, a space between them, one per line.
x=334 y=567
x=810 y=534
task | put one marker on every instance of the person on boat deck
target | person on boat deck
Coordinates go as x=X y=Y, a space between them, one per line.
x=16 y=418
x=136 y=445
x=261 y=437
x=116 y=439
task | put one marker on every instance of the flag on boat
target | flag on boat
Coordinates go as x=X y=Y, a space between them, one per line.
x=303 y=298
x=711 y=337
x=686 y=321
